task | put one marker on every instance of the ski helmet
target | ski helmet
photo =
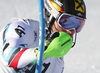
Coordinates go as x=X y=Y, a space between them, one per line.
x=53 y=8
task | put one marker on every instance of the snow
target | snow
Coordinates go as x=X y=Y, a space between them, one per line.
x=85 y=56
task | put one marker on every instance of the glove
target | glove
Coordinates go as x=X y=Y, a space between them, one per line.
x=36 y=51
x=59 y=45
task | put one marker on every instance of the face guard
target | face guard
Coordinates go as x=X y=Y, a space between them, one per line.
x=69 y=22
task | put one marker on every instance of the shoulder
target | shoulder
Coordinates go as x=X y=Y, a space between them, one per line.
x=25 y=23
x=21 y=29
x=22 y=26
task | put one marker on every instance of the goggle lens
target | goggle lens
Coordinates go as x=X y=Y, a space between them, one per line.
x=69 y=22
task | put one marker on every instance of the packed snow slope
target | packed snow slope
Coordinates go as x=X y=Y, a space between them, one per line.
x=85 y=56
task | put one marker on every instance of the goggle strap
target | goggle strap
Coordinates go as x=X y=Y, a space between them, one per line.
x=60 y=13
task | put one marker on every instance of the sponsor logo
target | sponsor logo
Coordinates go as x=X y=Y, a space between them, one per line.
x=48 y=7
x=35 y=36
x=79 y=5
x=79 y=14
x=57 y=2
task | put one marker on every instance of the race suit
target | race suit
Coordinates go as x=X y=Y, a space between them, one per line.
x=19 y=39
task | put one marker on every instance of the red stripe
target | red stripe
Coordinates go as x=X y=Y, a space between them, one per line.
x=15 y=61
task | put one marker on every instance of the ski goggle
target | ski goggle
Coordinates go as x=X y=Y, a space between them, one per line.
x=69 y=22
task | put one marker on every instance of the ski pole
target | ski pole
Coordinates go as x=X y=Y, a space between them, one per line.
x=41 y=36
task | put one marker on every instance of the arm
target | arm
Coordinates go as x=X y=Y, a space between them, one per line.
x=16 y=41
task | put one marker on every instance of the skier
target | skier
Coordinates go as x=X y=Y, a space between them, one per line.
x=21 y=37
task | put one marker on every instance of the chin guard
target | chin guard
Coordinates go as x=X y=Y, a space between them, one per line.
x=59 y=46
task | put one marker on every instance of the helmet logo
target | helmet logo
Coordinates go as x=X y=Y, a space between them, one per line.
x=79 y=5
x=48 y=5
x=54 y=3
x=57 y=2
